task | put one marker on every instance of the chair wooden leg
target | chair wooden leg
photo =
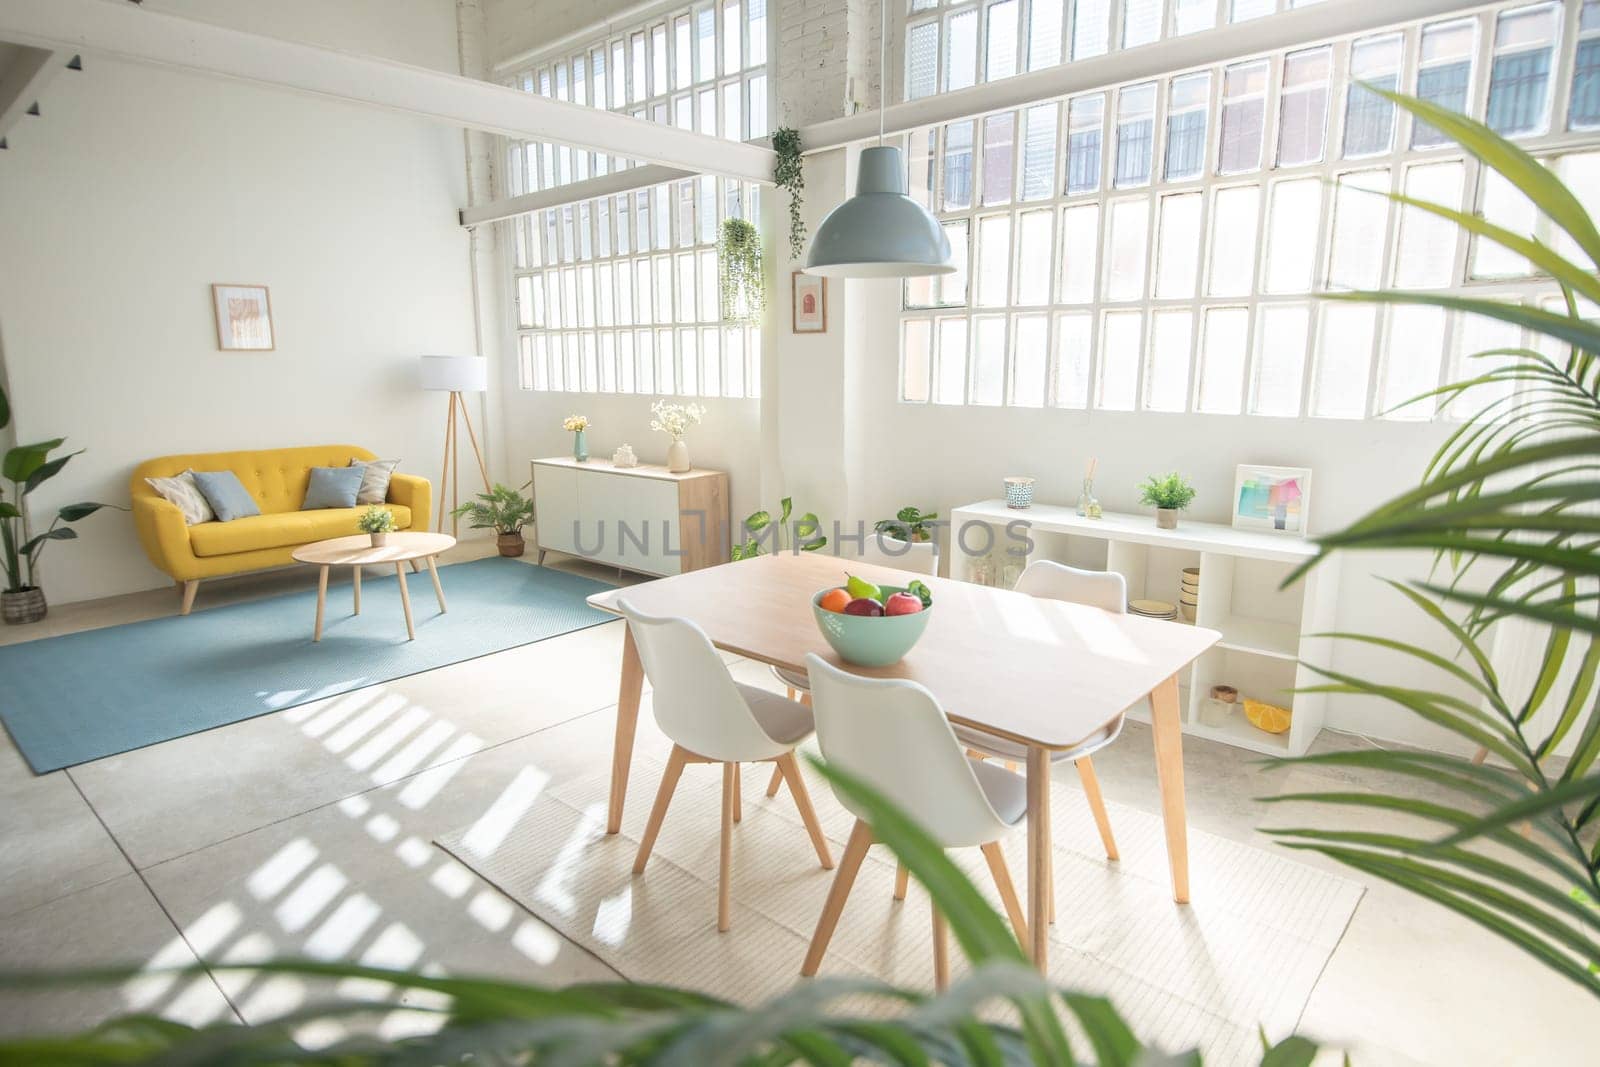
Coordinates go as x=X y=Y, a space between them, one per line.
x=738 y=793
x=730 y=775
x=777 y=780
x=1050 y=879
x=788 y=691
x=973 y=753
x=1097 y=804
x=855 y=850
x=1008 y=891
x=790 y=769
x=941 y=951
x=190 y=588
x=902 y=878
x=1011 y=765
x=669 y=783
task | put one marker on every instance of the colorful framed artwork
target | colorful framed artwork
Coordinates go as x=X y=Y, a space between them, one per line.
x=810 y=314
x=1275 y=499
x=244 y=318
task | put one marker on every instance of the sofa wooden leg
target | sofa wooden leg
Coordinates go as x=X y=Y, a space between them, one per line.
x=189 y=588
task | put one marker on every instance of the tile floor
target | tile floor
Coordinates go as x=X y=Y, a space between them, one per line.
x=307 y=832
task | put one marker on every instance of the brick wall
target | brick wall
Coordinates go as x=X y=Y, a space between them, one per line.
x=827 y=59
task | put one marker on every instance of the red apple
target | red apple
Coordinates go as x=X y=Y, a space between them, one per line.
x=862 y=605
x=902 y=604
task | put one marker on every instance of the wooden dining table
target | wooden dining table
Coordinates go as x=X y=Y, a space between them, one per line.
x=1047 y=674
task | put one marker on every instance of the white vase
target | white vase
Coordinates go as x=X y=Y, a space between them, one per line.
x=678 y=457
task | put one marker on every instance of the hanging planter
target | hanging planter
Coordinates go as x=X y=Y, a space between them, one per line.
x=744 y=291
x=789 y=175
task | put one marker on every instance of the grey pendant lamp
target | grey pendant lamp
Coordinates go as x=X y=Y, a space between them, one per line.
x=880 y=232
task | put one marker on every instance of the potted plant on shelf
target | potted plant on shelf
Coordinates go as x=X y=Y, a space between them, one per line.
x=1168 y=494
x=27 y=467
x=674 y=420
x=578 y=426
x=378 y=522
x=505 y=511
x=908 y=524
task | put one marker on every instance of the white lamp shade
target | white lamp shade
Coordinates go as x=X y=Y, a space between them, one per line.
x=454 y=374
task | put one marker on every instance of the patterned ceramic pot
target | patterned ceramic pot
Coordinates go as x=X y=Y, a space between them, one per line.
x=25 y=606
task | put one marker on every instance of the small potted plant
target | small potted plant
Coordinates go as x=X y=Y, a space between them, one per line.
x=503 y=510
x=908 y=524
x=378 y=523
x=674 y=420
x=1168 y=494
x=577 y=426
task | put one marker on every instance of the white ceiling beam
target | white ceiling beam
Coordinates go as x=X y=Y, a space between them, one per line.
x=131 y=33
x=619 y=181
x=24 y=80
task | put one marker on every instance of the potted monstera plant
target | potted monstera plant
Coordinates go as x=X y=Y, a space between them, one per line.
x=24 y=469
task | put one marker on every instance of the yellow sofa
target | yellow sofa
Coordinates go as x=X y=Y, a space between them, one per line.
x=276 y=479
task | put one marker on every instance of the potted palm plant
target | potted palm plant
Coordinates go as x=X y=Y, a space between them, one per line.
x=505 y=511
x=26 y=467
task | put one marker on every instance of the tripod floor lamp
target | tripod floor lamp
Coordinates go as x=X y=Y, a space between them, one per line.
x=455 y=375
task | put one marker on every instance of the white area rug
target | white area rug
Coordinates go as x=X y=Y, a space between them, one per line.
x=1246 y=952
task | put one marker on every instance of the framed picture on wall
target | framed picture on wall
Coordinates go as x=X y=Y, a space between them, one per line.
x=810 y=303
x=1274 y=499
x=244 y=318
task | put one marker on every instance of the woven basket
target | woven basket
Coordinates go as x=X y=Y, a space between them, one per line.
x=23 y=607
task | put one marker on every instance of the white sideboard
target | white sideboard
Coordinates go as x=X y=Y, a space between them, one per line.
x=645 y=518
x=1268 y=633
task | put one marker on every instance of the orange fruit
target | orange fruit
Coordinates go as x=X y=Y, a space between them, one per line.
x=834 y=600
x=1268 y=717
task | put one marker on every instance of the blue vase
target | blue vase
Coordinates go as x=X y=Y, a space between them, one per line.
x=580 y=446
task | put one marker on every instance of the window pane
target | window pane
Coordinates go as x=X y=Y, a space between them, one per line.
x=1368 y=117
x=923 y=144
x=994 y=260
x=1085 y=122
x=710 y=362
x=1244 y=87
x=1519 y=79
x=953 y=286
x=1178 y=252
x=756 y=107
x=1119 y=360
x=1044 y=33
x=682 y=54
x=1080 y=243
x=1033 y=256
x=757 y=52
x=1243 y=10
x=688 y=362
x=1583 y=110
x=949 y=386
x=960 y=50
x=1001 y=60
x=1074 y=348
x=1141 y=22
x=1188 y=101
x=922 y=60
x=624 y=270
x=1136 y=109
x=736 y=381
x=658 y=60
x=732 y=39
x=1166 y=377
x=645 y=361
x=705 y=43
x=1280 y=359
x=1444 y=76
x=957 y=183
x=1029 y=351
x=1191 y=16
x=663 y=273
x=1581 y=173
x=1360 y=225
x=988 y=360
x=999 y=146
x=1125 y=255
x=1474 y=334
x=1505 y=206
x=1303 y=106
x=1412 y=352
x=1296 y=217
x=1344 y=360
x=916 y=347
x=1037 y=181
x=732 y=112
x=1233 y=240
x=1427 y=252
x=1223 y=344
x=710 y=289
x=1091 y=28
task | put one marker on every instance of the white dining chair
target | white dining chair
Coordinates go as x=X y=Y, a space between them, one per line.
x=710 y=718
x=1101 y=589
x=891 y=734
x=921 y=557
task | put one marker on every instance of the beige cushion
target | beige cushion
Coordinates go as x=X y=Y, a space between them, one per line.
x=375 y=475
x=999 y=747
x=182 y=491
x=793 y=679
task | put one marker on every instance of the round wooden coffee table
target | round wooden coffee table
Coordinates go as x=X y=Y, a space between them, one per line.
x=358 y=551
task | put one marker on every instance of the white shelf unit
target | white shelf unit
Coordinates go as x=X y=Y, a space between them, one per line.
x=1267 y=631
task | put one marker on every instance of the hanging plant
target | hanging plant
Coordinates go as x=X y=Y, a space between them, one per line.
x=744 y=292
x=789 y=176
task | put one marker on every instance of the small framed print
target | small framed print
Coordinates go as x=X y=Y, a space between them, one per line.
x=244 y=318
x=1275 y=499
x=810 y=303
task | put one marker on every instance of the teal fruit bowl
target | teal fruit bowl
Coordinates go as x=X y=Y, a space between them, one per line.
x=868 y=641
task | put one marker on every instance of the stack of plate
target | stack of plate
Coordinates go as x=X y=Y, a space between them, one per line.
x=1189 y=592
x=1153 y=609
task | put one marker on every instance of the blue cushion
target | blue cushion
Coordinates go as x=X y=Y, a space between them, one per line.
x=332 y=487
x=226 y=494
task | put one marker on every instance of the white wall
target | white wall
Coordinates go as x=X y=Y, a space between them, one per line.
x=140 y=187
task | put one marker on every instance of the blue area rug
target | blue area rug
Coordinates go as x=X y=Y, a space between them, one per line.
x=75 y=698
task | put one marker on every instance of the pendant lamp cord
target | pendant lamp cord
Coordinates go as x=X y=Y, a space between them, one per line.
x=883 y=61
